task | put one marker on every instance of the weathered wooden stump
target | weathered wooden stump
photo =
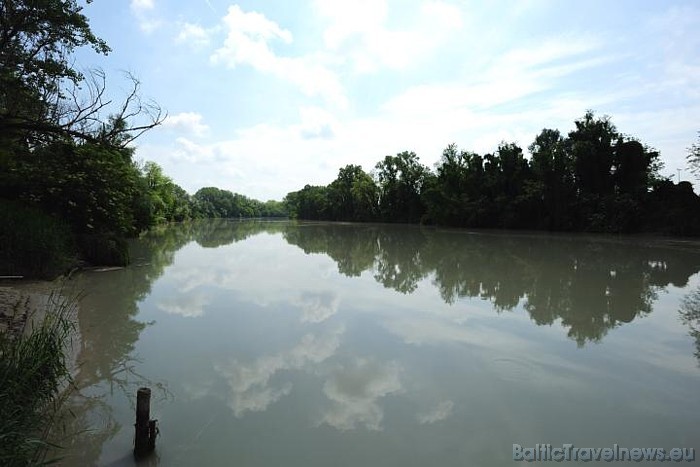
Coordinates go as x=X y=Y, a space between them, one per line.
x=146 y=429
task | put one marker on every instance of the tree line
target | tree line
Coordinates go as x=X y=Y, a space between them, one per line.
x=594 y=179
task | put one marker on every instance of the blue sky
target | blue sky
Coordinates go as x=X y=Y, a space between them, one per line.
x=265 y=97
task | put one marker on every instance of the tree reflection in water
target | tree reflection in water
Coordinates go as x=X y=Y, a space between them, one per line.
x=690 y=315
x=588 y=285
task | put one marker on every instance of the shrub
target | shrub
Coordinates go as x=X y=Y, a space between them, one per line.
x=33 y=243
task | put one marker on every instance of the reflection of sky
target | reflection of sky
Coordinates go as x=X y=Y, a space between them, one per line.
x=187 y=305
x=278 y=338
x=265 y=271
x=256 y=269
x=249 y=383
x=317 y=306
x=355 y=390
x=440 y=412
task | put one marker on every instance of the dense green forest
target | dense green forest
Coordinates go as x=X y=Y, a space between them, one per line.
x=595 y=179
x=70 y=187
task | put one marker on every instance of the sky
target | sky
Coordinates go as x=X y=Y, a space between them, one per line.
x=264 y=97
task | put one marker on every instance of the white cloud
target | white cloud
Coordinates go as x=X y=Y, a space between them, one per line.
x=679 y=43
x=258 y=160
x=359 y=30
x=355 y=390
x=142 y=5
x=316 y=123
x=143 y=11
x=194 y=34
x=248 y=37
x=441 y=412
x=187 y=122
x=511 y=76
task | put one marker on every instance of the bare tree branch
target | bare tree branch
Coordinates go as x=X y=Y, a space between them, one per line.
x=83 y=112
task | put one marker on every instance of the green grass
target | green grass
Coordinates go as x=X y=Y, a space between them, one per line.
x=33 y=372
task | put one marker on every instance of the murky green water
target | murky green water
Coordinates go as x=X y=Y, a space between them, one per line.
x=276 y=343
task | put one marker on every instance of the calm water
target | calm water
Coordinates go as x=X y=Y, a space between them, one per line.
x=315 y=344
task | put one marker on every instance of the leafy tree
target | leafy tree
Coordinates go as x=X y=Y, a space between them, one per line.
x=37 y=39
x=635 y=167
x=353 y=195
x=401 y=179
x=311 y=202
x=182 y=204
x=273 y=208
x=592 y=153
x=43 y=97
x=456 y=195
x=693 y=157
x=513 y=200
x=553 y=179
x=365 y=198
x=160 y=190
x=167 y=201
x=92 y=187
x=673 y=208
x=212 y=202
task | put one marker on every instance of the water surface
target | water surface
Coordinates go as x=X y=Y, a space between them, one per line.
x=317 y=344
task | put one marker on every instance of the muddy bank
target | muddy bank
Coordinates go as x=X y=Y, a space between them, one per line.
x=24 y=304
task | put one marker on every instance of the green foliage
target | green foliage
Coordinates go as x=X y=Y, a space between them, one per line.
x=591 y=146
x=693 y=157
x=167 y=201
x=38 y=39
x=400 y=179
x=673 y=209
x=60 y=155
x=353 y=195
x=34 y=244
x=211 y=202
x=93 y=188
x=311 y=202
x=552 y=168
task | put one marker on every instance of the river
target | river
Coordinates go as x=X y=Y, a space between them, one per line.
x=318 y=344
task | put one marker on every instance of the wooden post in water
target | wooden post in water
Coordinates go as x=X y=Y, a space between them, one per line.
x=146 y=430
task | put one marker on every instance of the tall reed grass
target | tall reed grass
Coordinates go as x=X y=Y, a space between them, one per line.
x=33 y=373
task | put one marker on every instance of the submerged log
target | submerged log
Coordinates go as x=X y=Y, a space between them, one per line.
x=146 y=429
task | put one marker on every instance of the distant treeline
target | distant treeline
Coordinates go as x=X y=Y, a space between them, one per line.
x=66 y=201
x=596 y=180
